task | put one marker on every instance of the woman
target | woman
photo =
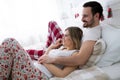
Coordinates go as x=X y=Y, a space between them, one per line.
x=17 y=64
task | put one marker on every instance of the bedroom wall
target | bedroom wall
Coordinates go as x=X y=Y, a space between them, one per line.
x=115 y=19
x=70 y=8
x=26 y=20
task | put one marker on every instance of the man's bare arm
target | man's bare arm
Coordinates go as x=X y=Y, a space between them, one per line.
x=79 y=59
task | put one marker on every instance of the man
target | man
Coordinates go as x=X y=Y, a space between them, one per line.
x=92 y=12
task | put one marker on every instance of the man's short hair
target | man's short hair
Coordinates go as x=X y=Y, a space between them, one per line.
x=96 y=7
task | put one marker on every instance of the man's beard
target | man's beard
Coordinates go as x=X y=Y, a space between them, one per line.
x=88 y=24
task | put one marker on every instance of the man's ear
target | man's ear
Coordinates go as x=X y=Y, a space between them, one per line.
x=97 y=15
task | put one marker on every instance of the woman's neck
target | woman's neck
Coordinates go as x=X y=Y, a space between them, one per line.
x=70 y=48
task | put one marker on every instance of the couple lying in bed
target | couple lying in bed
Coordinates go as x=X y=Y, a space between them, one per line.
x=17 y=64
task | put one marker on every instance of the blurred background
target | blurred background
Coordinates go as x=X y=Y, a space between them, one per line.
x=27 y=20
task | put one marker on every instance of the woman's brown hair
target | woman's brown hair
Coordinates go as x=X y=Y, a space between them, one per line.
x=76 y=35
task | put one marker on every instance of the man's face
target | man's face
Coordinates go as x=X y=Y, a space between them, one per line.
x=87 y=17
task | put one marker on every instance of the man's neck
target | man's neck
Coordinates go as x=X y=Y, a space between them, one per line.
x=94 y=25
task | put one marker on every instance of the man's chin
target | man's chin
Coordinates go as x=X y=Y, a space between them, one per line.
x=84 y=25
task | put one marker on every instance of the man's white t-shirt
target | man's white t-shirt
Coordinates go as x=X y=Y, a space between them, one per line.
x=92 y=33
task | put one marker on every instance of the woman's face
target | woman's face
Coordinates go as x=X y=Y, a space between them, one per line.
x=67 y=41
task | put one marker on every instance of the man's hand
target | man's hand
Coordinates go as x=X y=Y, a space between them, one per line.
x=46 y=59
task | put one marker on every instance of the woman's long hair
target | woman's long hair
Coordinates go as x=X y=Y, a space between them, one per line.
x=76 y=35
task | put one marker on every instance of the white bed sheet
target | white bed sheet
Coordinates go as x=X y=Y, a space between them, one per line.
x=113 y=71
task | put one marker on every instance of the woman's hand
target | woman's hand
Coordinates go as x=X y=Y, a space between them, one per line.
x=57 y=44
x=45 y=59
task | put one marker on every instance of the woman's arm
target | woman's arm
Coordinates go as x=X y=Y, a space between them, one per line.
x=54 y=46
x=58 y=72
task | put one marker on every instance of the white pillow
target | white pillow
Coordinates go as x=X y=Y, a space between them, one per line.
x=99 y=49
x=111 y=36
